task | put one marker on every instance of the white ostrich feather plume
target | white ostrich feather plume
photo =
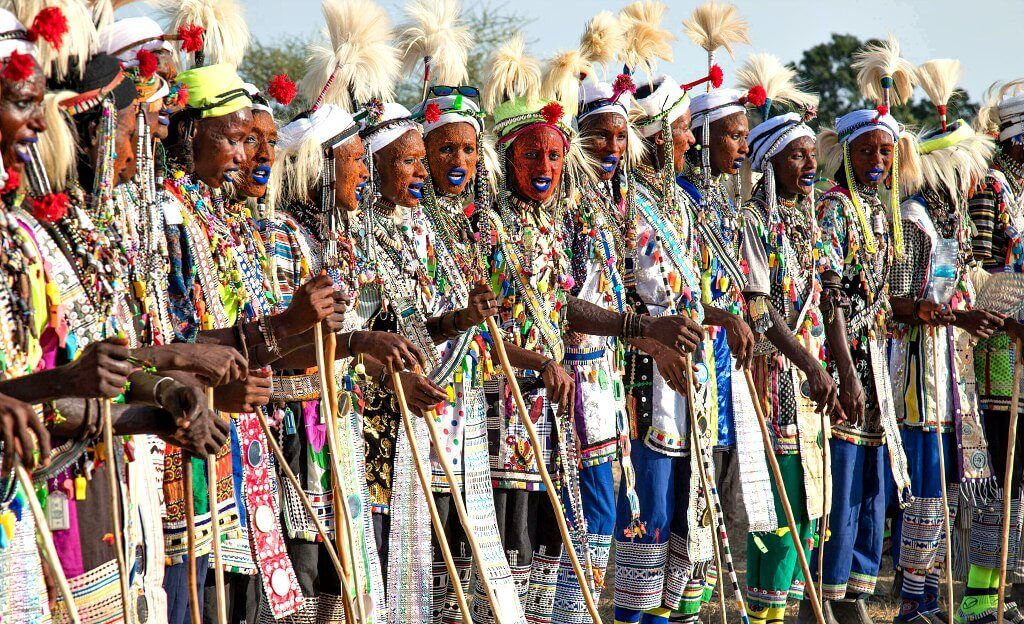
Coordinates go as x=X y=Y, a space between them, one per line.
x=512 y=74
x=435 y=30
x=876 y=61
x=646 y=39
x=716 y=25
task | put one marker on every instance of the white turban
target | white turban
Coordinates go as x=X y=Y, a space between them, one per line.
x=716 y=105
x=10 y=24
x=771 y=137
x=666 y=103
x=599 y=97
x=449 y=114
x=852 y=125
x=125 y=37
x=162 y=91
x=253 y=91
x=328 y=125
x=396 y=121
x=1011 y=116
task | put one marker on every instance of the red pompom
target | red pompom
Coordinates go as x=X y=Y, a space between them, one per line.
x=552 y=112
x=882 y=110
x=716 y=76
x=148 y=63
x=182 y=99
x=50 y=208
x=622 y=84
x=282 y=89
x=191 y=37
x=432 y=113
x=757 y=96
x=13 y=181
x=19 y=67
x=51 y=25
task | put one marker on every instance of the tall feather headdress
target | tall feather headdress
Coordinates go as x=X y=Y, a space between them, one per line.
x=883 y=75
x=646 y=39
x=512 y=74
x=437 y=37
x=988 y=115
x=778 y=81
x=359 y=64
x=225 y=33
x=603 y=39
x=562 y=78
x=715 y=25
x=103 y=11
x=77 y=44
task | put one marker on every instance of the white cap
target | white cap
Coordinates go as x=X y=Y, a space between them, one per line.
x=771 y=137
x=852 y=125
x=716 y=105
x=125 y=37
x=666 y=103
x=328 y=125
x=10 y=24
x=1011 y=116
x=449 y=114
x=396 y=121
x=600 y=97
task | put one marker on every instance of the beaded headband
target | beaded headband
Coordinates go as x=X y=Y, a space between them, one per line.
x=91 y=99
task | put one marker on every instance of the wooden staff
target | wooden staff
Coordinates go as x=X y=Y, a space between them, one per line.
x=942 y=479
x=48 y=547
x=327 y=381
x=350 y=604
x=115 y=504
x=773 y=462
x=719 y=534
x=321 y=530
x=211 y=488
x=424 y=478
x=556 y=504
x=1011 y=445
x=190 y=536
x=826 y=458
x=460 y=509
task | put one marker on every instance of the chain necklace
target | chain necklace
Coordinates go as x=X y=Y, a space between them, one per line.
x=16 y=315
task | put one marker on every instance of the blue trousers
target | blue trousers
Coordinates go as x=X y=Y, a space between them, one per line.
x=176 y=586
x=857 y=520
x=597 y=488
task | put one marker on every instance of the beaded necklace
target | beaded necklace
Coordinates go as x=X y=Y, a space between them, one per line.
x=17 y=323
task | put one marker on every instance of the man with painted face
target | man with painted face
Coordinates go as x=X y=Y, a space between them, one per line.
x=720 y=126
x=311 y=220
x=782 y=297
x=460 y=187
x=997 y=212
x=858 y=251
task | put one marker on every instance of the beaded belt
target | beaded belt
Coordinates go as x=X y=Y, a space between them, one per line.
x=864 y=317
x=582 y=355
x=295 y=387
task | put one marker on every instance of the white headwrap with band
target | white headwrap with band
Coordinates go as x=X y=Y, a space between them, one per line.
x=10 y=24
x=667 y=99
x=600 y=97
x=1011 y=116
x=323 y=125
x=125 y=37
x=771 y=137
x=396 y=121
x=715 y=105
x=449 y=114
x=852 y=125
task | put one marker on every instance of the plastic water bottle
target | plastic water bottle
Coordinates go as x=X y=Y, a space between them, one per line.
x=943 y=278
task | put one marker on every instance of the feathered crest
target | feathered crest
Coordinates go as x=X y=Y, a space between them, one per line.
x=646 y=39
x=830 y=152
x=715 y=25
x=57 y=146
x=880 y=64
x=226 y=33
x=777 y=80
x=360 y=63
x=603 y=39
x=562 y=78
x=512 y=74
x=957 y=169
x=988 y=117
x=77 y=44
x=938 y=79
x=435 y=31
x=103 y=10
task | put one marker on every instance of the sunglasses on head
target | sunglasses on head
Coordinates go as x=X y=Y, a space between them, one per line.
x=444 y=90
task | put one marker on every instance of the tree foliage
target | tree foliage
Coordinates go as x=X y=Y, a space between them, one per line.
x=826 y=69
x=263 y=61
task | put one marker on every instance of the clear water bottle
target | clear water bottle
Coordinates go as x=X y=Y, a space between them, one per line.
x=943 y=278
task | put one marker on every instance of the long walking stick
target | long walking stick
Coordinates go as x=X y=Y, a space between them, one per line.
x=342 y=531
x=826 y=458
x=773 y=462
x=48 y=547
x=211 y=488
x=714 y=504
x=424 y=479
x=190 y=537
x=460 y=509
x=942 y=478
x=1011 y=444
x=321 y=530
x=556 y=504
x=115 y=500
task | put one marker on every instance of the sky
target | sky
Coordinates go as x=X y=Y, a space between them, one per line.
x=977 y=32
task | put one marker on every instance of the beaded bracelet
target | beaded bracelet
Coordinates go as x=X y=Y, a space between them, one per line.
x=267 y=329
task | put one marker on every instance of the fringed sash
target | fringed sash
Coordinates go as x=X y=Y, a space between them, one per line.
x=754 y=476
x=887 y=416
x=809 y=426
x=409 y=581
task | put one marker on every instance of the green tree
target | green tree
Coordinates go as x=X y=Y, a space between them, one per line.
x=263 y=61
x=825 y=68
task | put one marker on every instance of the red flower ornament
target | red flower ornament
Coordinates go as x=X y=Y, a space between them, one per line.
x=50 y=208
x=432 y=113
x=50 y=25
x=148 y=63
x=282 y=89
x=552 y=112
